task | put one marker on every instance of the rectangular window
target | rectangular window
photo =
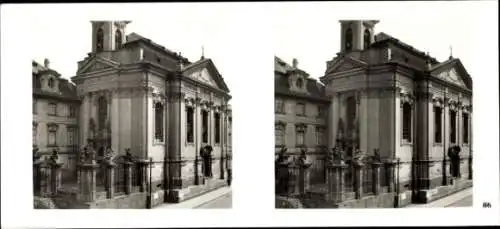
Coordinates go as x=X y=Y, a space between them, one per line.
x=72 y=111
x=320 y=136
x=465 y=118
x=320 y=111
x=52 y=138
x=279 y=106
x=300 y=109
x=190 y=124
x=453 y=126
x=407 y=118
x=229 y=131
x=204 y=124
x=159 y=122
x=71 y=136
x=438 y=124
x=279 y=134
x=217 y=127
x=300 y=137
x=52 y=109
x=35 y=132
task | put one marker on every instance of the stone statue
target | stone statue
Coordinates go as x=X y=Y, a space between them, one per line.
x=54 y=156
x=109 y=156
x=301 y=159
x=281 y=155
x=36 y=155
x=128 y=156
x=376 y=156
x=358 y=156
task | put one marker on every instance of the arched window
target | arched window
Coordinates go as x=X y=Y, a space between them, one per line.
x=300 y=83
x=100 y=40
x=118 y=39
x=51 y=83
x=351 y=113
x=366 y=39
x=348 y=39
x=407 y=122
x=102 y=112
x=158 y=121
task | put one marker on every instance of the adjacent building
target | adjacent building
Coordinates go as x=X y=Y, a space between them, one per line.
x=55 y=116
x=384 y=94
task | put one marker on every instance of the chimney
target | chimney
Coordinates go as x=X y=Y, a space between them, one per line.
x=46 y=63
x=428 y=62
x=295 y=63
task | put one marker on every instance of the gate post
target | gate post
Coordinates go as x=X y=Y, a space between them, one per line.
x=88 y=181
x=389 y=174
x=335 y=181
x=470 y=167
x=376 y=177
x=110 y=180
x=128 y=177
x=358 y=179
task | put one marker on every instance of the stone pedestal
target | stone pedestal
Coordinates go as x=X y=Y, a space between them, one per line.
x=143 y=174
x=110 y=180
x=446 y=170
x=128 y=176
x=389 y=166
x=376 y=166
x=302 y=180
x=196 y=172
x=358 y=179
x=222 y=159
x=88 y=182
x=335 y=182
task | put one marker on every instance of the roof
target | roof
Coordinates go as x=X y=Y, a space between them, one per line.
x=282 y=86
x=67 y=90
x=134 y=37
x=384 y=38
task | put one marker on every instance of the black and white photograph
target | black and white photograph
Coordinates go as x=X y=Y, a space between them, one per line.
x=137 y=126
x=386 y=126
x=159 y=114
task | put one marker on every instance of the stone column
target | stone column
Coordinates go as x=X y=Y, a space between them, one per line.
x=143 y=171
x=221 y=142
x=335 y=182
x=88 y=191
x=128 y=177
x=358 y=179
x=420 y=136
x=333 y=120
x=110 y=180
x=446 y=137
x=376 y=177
x=174 y=157
x=362 y=120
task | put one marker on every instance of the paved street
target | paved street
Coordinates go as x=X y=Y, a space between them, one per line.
x=460 y=199
x=224 y=201
x=465 y=202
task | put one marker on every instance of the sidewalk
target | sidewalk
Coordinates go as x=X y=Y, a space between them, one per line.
x=197 y=201
x=445 y=201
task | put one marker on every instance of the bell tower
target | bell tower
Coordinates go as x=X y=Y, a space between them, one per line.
x=356 y=34
x=108 y=35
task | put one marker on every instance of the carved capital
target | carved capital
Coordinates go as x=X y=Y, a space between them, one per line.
x=176 y=96
x=438 y=101
x=189 y=101
x=406 y=98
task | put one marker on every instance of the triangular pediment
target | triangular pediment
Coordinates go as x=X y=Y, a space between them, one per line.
x=97 y=64
x=454 y=73
x=203 y=75
x=345 y=64
x=204 y=71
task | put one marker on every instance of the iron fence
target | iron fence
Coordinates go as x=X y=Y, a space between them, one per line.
x=119 y=179
x=367 y=179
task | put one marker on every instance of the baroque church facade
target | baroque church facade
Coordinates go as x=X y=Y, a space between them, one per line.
x=135 y=94
x=384 y=94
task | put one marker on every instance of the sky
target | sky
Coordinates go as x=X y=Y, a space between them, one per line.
x=433 y=27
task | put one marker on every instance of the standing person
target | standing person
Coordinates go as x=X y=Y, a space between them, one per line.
x=229 y=172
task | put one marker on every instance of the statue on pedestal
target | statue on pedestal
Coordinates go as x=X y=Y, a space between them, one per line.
x=36 y=154
x=54 y=156
x=376 y=156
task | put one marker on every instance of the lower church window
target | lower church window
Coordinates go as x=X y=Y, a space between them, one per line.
x=159 y=121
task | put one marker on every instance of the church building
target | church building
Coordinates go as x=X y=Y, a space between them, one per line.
x=132 y=93
x=387 y=95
